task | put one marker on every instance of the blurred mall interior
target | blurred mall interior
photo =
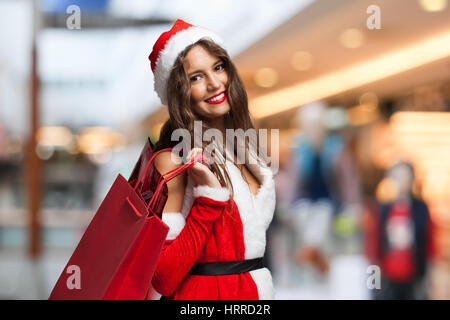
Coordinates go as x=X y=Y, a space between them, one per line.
x=353 y=86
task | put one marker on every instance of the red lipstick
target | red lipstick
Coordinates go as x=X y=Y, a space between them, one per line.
x=217 y=99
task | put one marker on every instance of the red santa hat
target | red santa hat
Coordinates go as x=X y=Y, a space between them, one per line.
x=167 y=48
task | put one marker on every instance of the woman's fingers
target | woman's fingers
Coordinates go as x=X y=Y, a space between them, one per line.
x=199 y=172
x=197 y=153
x=193 y=152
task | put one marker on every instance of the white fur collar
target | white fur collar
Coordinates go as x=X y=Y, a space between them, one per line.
x=256 y=211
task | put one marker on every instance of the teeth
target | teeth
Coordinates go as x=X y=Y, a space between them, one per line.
x=220 y=96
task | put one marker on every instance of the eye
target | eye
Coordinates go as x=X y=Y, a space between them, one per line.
x=220 y=67
x=194 y=78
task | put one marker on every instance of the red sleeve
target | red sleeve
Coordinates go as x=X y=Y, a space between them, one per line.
x=179 y=255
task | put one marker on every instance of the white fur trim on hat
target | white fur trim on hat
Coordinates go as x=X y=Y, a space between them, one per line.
x=218 y=194
x=172 y=49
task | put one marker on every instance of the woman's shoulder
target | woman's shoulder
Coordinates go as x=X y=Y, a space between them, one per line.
x=166 y=161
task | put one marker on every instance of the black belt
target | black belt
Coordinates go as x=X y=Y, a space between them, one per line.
x=226 y=267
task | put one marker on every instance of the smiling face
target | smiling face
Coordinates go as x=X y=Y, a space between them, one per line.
x=208 y=82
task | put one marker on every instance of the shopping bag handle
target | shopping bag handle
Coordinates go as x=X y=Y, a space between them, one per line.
x=181 y=169
x=167 y=173
x=172 y=174
x=148 y=166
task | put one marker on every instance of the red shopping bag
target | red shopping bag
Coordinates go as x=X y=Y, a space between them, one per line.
x=118 y=253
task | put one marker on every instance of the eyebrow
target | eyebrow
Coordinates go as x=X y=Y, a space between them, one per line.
x=197 y=71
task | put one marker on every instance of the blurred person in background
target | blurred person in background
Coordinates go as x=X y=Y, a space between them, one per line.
x=325 y=183
x=280 y=232
x=400 y=239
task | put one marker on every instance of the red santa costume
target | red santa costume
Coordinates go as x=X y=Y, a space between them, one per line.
x=208 y=229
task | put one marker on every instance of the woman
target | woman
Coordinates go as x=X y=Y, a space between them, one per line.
x=218 y=213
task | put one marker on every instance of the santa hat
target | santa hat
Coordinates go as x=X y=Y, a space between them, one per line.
x=167 y=48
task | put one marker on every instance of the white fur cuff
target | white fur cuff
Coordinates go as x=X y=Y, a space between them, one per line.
x=218 y=194
x=175 y=221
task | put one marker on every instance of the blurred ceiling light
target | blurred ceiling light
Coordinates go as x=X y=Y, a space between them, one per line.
x=98 y=140
x=408 y=116
x=411 y=138
x=301 y=60
x=354 y=76
x=362 y=114
x=423 y=128
x=352 y=38
x=100 y=158
x=369 y=107
x=92 y=144
x=433 y=5
x=368 y=98
x=368 y=102
x=54 y=136
x=423 y=122
x=266 y=77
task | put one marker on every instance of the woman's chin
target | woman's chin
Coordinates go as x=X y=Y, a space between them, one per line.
x=216 y=111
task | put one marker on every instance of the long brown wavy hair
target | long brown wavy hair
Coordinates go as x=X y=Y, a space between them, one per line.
x=182 y=115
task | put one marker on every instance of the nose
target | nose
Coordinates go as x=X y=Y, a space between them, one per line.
x=213 y=82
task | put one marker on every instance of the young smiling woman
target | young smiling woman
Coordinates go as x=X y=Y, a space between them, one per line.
x=218 y=213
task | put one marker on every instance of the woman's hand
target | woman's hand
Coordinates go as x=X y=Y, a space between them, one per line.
x=200 y=173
